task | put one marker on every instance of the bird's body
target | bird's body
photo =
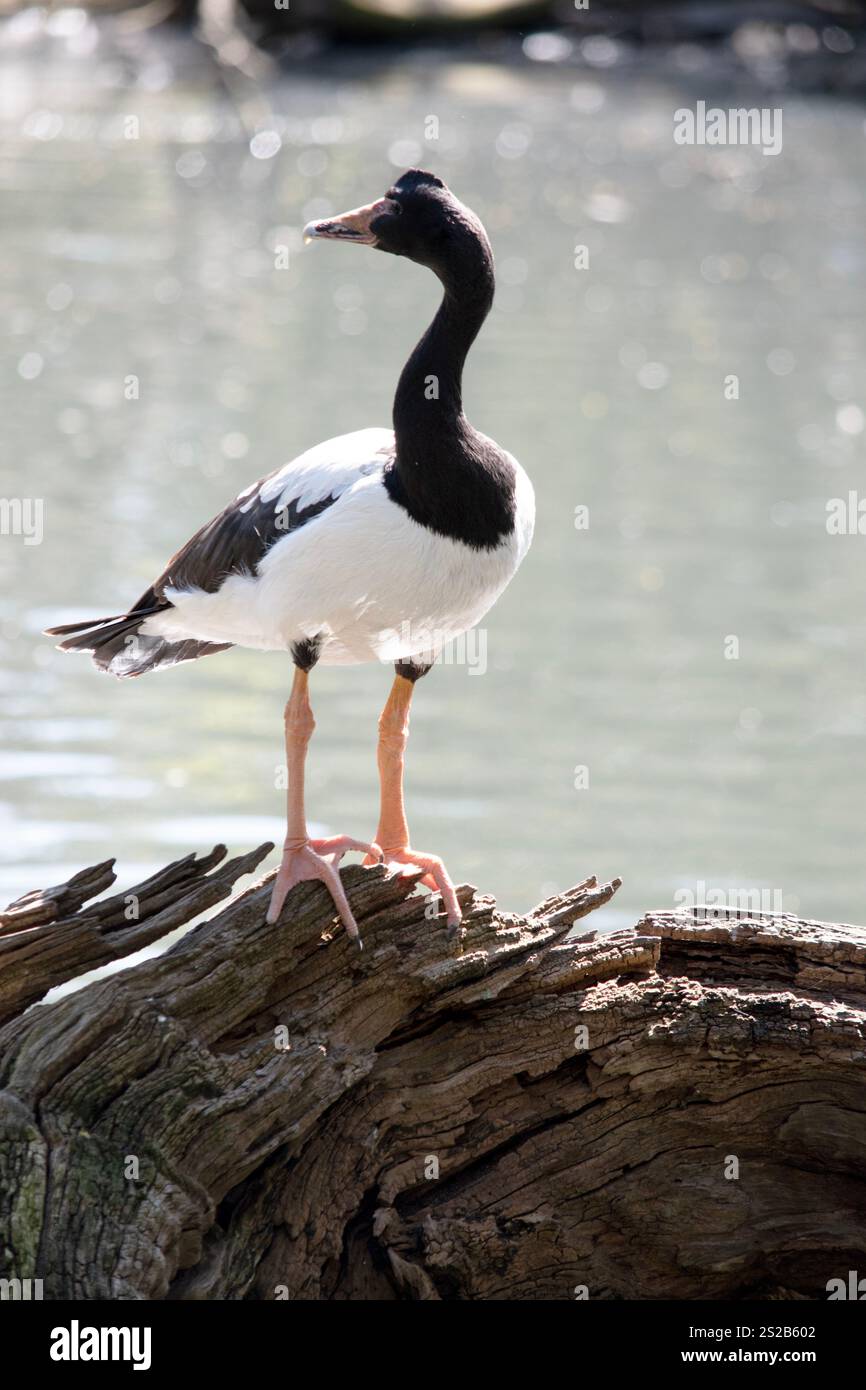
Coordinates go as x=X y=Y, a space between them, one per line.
x=376 y=545
x=320 y=553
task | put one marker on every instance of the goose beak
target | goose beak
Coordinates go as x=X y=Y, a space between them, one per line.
x=349 y=226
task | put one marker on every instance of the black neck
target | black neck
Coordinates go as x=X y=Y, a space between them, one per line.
x=448 y=477
x=428 y=405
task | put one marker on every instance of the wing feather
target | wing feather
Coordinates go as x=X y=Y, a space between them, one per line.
x=237 y=540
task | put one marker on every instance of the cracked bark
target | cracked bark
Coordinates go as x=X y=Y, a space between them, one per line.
x=435 y=1127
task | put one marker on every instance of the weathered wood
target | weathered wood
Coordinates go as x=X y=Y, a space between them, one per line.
x=49 y=937
x=256 y=1115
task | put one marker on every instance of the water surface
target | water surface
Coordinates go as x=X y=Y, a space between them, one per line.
x=160 y=356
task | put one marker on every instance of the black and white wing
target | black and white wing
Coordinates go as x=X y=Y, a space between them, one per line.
x=234 y=543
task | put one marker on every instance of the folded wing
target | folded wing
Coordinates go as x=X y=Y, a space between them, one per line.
x=234 y=542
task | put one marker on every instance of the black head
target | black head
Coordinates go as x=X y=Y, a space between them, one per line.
x=420 y=218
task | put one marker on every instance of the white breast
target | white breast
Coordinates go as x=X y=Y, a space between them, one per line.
x=363 y=576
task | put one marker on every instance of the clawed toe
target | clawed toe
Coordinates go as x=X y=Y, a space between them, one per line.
x=334 y=848
x=434 y=877
x=317 y=860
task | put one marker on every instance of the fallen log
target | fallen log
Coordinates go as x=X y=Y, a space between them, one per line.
x=671 y=1111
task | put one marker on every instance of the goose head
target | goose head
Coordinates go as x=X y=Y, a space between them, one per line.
x=419 y=218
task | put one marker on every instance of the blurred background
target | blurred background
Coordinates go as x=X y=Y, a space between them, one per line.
x=168 y=339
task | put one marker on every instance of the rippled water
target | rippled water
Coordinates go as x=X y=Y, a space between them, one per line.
x=154 y=258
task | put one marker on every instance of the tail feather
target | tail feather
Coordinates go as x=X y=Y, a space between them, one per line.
x=63 y=628
x=119 y=647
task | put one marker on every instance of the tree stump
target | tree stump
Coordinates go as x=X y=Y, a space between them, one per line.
x=671 y=1111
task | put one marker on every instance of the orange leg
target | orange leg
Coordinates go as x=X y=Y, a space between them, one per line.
x=305 y=859
x=393 y=832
